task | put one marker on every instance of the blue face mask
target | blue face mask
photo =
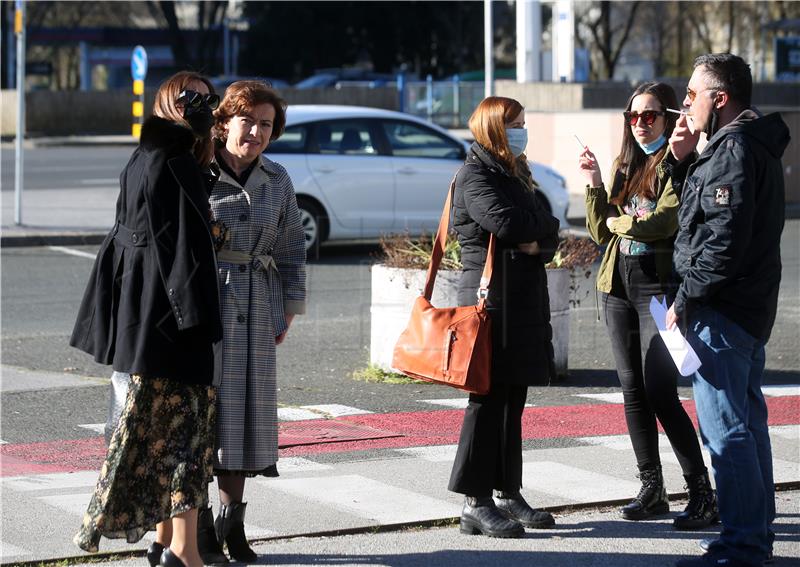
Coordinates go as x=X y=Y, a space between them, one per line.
x=653 y=146
x=517 y=140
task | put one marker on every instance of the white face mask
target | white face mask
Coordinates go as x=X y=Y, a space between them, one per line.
x=517 y=140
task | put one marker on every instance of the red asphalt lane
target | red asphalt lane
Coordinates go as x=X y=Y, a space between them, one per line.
x=409 y=429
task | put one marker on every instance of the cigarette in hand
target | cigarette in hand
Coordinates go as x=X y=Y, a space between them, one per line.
x=581 y=144
x=683 y=112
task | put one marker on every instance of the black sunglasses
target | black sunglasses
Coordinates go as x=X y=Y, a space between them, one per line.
x=648 y=116
x=195 y=99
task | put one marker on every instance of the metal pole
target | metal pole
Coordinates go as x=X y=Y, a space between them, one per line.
x=488 y=48
x=226 y=47
x=429 y=97
x=19 y=28
x=401 y=92
x=456 y=101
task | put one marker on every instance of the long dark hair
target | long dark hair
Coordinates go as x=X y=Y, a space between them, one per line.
x=164 y=107
x=636 y=171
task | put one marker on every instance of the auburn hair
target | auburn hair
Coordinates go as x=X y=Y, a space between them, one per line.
x=638 y=170
x=164 y=106
x=243 y=96
x=488 y=126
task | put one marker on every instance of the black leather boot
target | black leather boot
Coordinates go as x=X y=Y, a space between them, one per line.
x=229 y=526
x=481 y=516
x=207 y=543
x=513 y=506
x=154 y=554
x=701 y=511
x=652 y=498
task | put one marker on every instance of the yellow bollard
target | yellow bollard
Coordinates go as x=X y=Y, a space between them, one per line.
x=137 y=109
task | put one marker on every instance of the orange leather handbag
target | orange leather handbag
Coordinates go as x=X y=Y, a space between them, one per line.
x=448 y=345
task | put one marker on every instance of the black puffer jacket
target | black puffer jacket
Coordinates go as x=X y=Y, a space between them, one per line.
x=488 y=199
x=152 y=303
x=727 y=251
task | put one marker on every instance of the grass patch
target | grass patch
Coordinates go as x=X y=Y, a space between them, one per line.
x=376 y=374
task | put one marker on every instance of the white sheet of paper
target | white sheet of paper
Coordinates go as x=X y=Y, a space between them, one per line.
x=681 y=351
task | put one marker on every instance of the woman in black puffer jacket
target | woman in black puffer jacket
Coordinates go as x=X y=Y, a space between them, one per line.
x=495 y=194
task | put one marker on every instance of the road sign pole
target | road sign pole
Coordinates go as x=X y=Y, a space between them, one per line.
x=19 y=29
x=138 y=73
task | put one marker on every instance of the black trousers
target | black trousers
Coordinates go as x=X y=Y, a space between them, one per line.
x=646 y=371
x=489 y=452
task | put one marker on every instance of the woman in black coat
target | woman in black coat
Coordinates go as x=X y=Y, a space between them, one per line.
x=151 y=310
x=494 y=193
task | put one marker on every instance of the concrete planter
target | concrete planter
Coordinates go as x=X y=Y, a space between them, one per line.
x=394 y=291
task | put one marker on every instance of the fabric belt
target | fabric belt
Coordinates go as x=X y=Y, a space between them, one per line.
x=263 y=262
x=129 y=237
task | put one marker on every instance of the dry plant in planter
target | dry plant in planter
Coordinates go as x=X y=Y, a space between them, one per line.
x=402 y=251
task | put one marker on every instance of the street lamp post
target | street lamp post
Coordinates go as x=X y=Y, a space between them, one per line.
x=488 y=48
x=19 y=29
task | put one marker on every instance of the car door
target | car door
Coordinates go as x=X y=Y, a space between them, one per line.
x=355 y=177
x=424 y=162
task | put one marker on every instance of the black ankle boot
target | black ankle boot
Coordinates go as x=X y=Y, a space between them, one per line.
x=481 y=516
x=229 y=526
x=169 y=559
x=513 y=506
x=701 y=511
x=154 y=554
x=207 y=543
x=652 y=498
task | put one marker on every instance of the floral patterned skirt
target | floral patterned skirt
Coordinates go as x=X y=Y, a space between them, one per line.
x=159 y=461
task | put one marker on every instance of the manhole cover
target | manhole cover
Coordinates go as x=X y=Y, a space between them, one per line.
x=294 y=433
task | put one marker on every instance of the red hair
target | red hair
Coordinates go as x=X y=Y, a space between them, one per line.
x=488 y=126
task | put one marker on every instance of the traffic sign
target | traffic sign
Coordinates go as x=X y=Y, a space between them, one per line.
x=139 y=63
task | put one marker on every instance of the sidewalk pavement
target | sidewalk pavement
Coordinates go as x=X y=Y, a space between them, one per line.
x=334 y=501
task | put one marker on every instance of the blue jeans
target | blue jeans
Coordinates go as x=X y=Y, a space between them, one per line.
x=733 y=424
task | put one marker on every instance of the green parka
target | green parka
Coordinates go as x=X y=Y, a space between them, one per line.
x=657 y=228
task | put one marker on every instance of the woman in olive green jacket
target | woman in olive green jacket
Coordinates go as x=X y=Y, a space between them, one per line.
x=636 y=220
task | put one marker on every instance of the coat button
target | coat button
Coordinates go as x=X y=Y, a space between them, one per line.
x=242 y=268
x=134 y=238
x=243 y=217
x=180 y=320
x=171 y=291
x=241 y=318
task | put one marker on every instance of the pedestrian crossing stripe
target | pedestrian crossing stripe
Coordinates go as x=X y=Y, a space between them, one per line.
x=320 y=411
x=610 y=397
x=368 y=498
x=781 y=390
x=575 y=484
x=96 y=427
x=431 y=453
x=53 y=481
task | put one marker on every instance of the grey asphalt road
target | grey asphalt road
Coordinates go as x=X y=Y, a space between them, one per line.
x=65 y=167
x=41 y=289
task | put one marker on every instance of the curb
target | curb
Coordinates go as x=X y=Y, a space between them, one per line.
x=54 y=239
x=103 y=557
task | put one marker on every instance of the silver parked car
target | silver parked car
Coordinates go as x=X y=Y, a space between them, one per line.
x=360 y=173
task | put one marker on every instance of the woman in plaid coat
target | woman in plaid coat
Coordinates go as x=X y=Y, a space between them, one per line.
x=261 y=268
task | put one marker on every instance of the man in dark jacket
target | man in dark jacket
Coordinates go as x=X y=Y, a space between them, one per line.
x=727 y=256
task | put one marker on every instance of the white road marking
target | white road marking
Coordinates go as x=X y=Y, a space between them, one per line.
x=335 y=410
x=786 y=431
x=611 y=397
x=459 y=403
x=97 y=427
x=298 y=464
x=573 y=483
x=75 y=504
x=55 y=481
x=113 y=181
x=321 y=411
x=7 y=551
x=368 y=498
x=73 y=252
x=781 y=390
x=432 y=454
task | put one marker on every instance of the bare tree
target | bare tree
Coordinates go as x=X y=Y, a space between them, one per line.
x=210 y=18
x=609 y=40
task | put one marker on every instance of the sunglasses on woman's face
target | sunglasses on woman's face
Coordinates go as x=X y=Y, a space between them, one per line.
x=195 y=99
x=648 y=116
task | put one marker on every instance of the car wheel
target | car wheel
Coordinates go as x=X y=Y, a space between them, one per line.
x=314 y=223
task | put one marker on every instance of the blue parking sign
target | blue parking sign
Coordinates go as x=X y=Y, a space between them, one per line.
x=139 y=63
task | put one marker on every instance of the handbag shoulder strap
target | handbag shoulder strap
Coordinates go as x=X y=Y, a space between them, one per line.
x=437 y=253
